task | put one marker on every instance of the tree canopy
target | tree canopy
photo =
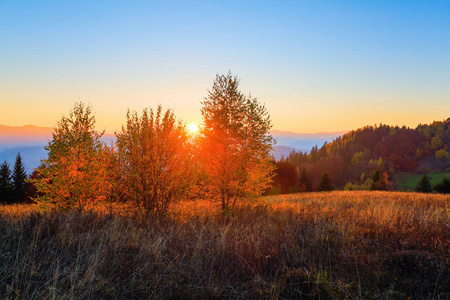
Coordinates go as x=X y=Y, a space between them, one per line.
x=6 y=187
x=235 y=143
x=155 y=164
x=325 y=184
x=424 y=185
x=75 y=173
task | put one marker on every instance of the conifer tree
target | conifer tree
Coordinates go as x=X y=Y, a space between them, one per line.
x=305 y=183
x=443 y=187
x=375 y=178
x=18 y=179
x=424 y=185
x=325 y=185
x=5 y=183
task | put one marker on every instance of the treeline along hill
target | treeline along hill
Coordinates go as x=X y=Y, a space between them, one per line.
x=353 y=159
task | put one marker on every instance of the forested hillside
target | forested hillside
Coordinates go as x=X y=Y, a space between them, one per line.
x=382 y=151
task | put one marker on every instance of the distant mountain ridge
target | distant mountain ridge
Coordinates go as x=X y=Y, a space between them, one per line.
x=27 y=130
x=304 y=141
x=291 y=133
x=28 y=135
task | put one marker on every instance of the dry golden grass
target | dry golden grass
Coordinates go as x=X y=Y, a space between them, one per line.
x=303 y=246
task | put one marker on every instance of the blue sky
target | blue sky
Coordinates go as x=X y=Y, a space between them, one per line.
x=317 y=65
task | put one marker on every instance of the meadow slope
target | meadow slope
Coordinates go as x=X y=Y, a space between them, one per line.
x=314 y=245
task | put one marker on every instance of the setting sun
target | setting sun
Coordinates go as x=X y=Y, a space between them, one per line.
x=193 y=128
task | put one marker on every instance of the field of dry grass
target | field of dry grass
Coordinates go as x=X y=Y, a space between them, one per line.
x=303 y=246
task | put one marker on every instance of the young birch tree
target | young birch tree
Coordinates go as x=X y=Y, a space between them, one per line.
x=154 y=160
x=74 y=176
x=235 y=143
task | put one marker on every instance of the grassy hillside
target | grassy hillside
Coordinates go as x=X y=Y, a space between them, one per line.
x=408 y=181
x=304 y=246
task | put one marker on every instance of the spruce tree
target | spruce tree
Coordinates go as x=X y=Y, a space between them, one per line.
x=375 y=179
x=443 y=187
x=305 y=183
x=325 y=185
x=18 y=179
x=5 y=183
x=424 y=185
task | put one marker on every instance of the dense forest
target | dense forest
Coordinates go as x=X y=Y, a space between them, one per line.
x=368 y=158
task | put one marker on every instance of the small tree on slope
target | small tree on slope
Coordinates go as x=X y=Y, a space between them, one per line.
x=5 y=183
x=443 y=187
x=19 y=177
x=305 y=183
x=424 y=185
x=325 y=185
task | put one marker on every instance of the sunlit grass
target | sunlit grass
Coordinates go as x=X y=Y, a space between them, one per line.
x=328 y=245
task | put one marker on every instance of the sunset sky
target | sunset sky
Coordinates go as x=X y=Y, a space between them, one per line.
x=319 y=66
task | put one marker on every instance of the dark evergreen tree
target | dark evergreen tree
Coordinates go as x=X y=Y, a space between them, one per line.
x=424 y=185
x=304 y=183
x=443 y=187
x=5 y=183
x=314 y=154
x=325 y=185
x=18 y=179
x=375 y=179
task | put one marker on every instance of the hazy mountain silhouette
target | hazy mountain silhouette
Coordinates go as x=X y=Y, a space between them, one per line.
x=303 y=141
x=31 y=156
x=28 y=135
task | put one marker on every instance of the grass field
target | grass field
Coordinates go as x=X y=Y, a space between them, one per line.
x=408 y=182
x=355 y=245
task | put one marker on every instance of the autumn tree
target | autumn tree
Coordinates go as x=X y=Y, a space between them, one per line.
x=74 y=176
x=285 y=175
x=325 y=184
x=155 y=162
x=442 y=154
x=304 y=182
x=380 y=181
x=6 y=188
x=19 y=177
x=424 y=185
x=235 y=143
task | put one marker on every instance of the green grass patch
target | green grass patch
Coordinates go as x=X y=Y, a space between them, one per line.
x=408 y=181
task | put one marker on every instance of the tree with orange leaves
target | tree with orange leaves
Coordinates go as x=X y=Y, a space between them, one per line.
x=74 y=175
x=154 y=161
x=235 y=143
